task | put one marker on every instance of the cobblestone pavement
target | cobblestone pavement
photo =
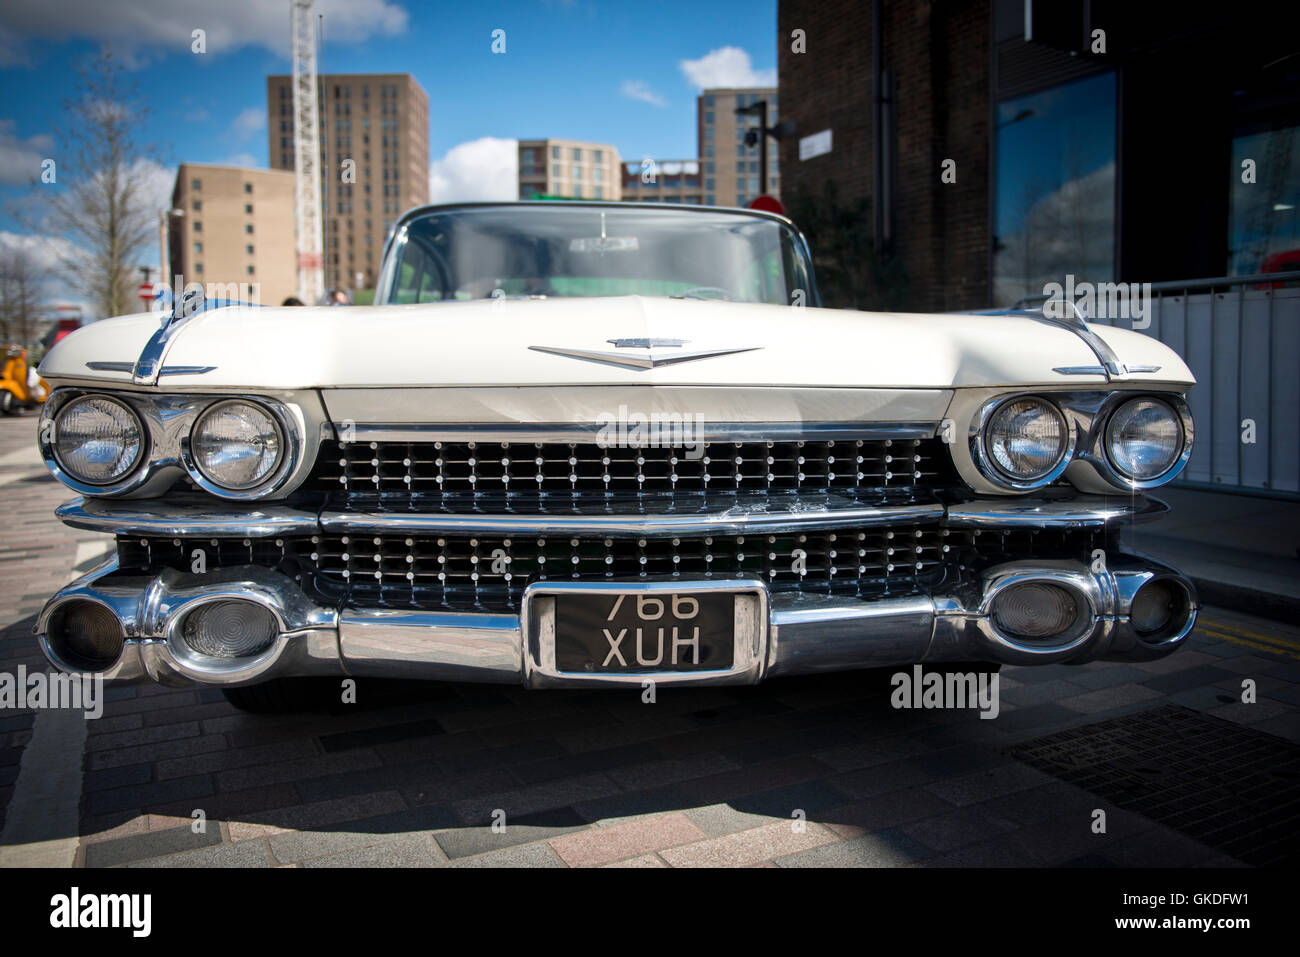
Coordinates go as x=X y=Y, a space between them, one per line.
x=800 y=772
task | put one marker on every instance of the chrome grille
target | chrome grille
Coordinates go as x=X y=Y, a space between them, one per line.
x=572 y=476
x=458 y=573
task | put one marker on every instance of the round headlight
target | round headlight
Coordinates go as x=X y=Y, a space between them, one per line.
x=1144 y=439
x=236 y=445
x=1026 y=439
x=97 y=440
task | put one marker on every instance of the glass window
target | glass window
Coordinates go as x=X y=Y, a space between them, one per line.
x=598 y=156
x=198 y=205
x=577 y=173
x=1264 y=216
x=248 y=187
x=198 y=248
x=1054 y=205
x=577 y=155
x=196 y=184
x=198 y=226
x=567 y=251
x=555 y=152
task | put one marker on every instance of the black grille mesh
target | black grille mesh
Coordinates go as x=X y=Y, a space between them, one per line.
x=557 y=476
x=490 y=573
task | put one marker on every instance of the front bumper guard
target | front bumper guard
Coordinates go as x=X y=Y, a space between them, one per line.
x=795 y=634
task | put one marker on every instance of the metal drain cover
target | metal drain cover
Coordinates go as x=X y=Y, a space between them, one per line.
x=1227 y=786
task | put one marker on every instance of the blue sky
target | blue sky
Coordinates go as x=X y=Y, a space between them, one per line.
x=570 y=70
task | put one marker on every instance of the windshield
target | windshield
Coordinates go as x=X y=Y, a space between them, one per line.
x=564 y=249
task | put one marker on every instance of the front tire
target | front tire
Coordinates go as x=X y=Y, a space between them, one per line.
x=6 y=402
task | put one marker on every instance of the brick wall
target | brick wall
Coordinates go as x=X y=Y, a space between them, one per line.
x=939 y=53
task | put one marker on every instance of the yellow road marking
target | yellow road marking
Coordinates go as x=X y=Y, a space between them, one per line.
x=1245 y=633
x=1246 y=642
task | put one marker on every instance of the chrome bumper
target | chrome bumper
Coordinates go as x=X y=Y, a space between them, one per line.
x=797 y=635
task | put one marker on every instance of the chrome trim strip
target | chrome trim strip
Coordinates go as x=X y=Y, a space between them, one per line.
x=1080 y=370
x=167 y=519
x=185 y=370
x=738 y=522
x=130 y=367
x=1063 y=514
x=110 y=366
x=639 y=363
x=581 y=432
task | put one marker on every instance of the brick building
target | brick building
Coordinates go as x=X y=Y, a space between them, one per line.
x=379 y=121
x=1002 y=144
x=231 y=226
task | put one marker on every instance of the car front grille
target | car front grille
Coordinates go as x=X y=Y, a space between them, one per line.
x=490 y=573
x=573 y=477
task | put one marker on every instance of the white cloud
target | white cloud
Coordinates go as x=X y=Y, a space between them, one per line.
x=247 y=123
x=482 y=169
x=150 y=27
x=726 y=67
x=246 y=160
x=20 y=160
x=640 y=90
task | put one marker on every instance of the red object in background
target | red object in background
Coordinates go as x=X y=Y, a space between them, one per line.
x=66 y=327
x=1279 y=262
x=146 y=293
x=767 y=204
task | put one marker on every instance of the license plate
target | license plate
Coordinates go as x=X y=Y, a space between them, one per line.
x=637 y=633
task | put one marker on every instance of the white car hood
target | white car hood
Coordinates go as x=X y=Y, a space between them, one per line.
x=488 y=343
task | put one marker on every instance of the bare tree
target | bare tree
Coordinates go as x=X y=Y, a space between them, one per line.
x=20 y=295
x=100 y=205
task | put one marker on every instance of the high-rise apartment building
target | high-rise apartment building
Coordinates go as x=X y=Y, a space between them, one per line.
x=231 y=226
x=569 y=168
x=731 y=169
x=374 y=137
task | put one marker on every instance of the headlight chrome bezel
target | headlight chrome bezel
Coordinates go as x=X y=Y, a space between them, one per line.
x=207 y=483
x=1103 y=459
x=987 y=463
x=283 y=466
x=1089 y=414
x=166 y=420
x=49 y=444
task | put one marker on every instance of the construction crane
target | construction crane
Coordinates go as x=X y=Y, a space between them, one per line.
x=306 y=155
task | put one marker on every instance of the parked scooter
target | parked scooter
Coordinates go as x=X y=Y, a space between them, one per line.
x=20 y=386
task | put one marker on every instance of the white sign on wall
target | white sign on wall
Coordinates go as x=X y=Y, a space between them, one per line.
x=815 y=145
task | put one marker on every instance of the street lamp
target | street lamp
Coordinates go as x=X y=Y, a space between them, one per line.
x=759 y=136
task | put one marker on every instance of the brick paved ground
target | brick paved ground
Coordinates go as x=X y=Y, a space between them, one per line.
x=414 y=775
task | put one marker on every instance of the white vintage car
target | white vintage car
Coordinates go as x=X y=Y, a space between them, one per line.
x=595 y=444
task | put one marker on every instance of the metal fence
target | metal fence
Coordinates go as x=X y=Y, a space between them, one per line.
x=1240 y=336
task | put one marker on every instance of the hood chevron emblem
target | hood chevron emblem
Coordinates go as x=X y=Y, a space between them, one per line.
x=649 y=360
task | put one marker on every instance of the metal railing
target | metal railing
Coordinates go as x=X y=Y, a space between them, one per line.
x=1240 y=336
